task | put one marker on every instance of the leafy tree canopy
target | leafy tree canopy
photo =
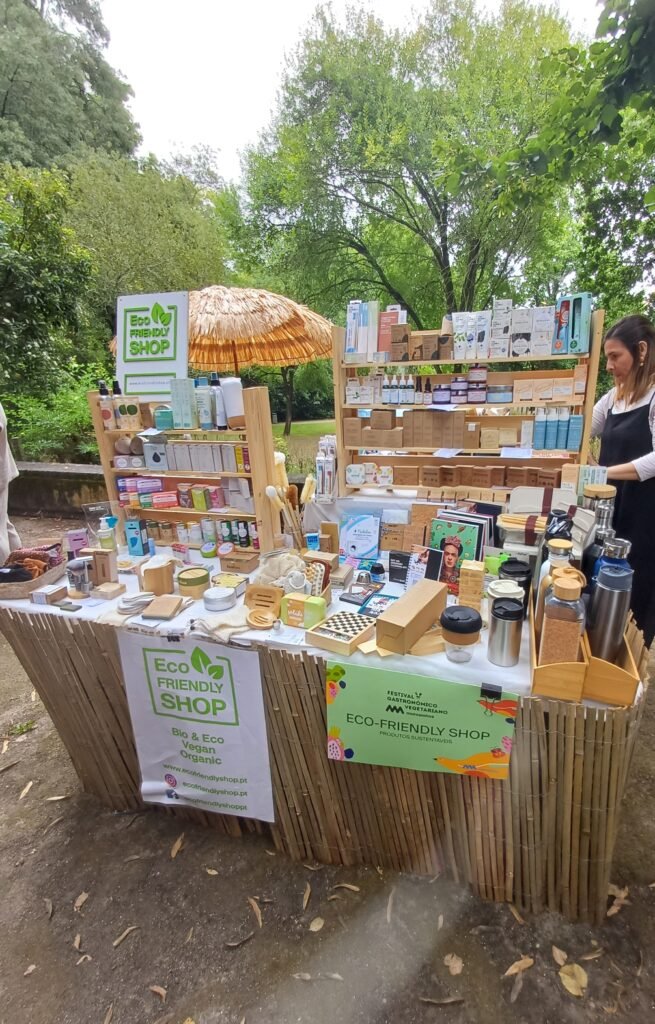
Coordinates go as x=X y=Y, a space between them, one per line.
x=57 y=91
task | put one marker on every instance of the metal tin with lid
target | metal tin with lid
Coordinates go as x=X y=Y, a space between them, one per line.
x=441 y=394
x=459 y=391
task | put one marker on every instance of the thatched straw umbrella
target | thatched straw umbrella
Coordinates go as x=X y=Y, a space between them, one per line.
x=233 y=328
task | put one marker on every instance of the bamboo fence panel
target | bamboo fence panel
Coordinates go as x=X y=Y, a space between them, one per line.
x=544 y=837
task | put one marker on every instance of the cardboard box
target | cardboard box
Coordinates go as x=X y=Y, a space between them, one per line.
x=523 y=390
x=391 y=536
x=563 y=389
x=471 y=436
x=465 y=475
x=446 y=347
x=382 y=438
x=408 y=421
x=49 y=594
x=400 y=343
x=399 y=627
x=422 y=513
x=429 y=342
x=352 y=431
x=416 y=349
x=542 y=389
x=406 y=475
x=449 y=476
x=413 y=533
x=489 y=437
x=507 y=437
x=383 y=419
x=548 y=477
x=580 y=379
x=430 y=477
x=516 y=476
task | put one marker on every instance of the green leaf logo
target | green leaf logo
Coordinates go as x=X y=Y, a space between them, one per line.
x=216 y=672
x=157 y=312
x=165 y=318
x=200 y=660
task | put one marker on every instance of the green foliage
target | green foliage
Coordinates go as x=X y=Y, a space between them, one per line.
x=57 y=92
x=43 y=274
x=149 y=230
x=56 y=425
x=359 y=185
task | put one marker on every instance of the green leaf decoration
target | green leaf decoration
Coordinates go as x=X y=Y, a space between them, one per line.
x=200 y=660
x=216 y=672
x=165 y=318
x=156 y=313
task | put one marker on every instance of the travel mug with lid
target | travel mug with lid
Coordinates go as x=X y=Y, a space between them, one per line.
x=609 y=611
x=505 y=624
x=519 y=571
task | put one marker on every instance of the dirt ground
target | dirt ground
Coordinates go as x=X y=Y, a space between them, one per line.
x=378 y=959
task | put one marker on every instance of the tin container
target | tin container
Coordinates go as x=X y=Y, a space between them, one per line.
x=208 y=529
x=195 y=534
x=234 y=531
x=500 y=394
x=193 y=582
x=166 y=534
x=242 y=533
x=505 y=624
x=459 y=391
x=477 y=394
x=477 y=375
x=254 y=536
x=441 y=394
x=226 y=533
x=184 y=496
x=182 y=533
x=215 y=496
x=246 y=459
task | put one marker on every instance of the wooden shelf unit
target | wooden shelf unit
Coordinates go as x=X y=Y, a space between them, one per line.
x=583 y=403
x=257 y=435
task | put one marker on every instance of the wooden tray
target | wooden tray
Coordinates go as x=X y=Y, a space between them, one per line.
x=20 y=591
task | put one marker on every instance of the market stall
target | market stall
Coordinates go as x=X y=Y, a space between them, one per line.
x=447 y=711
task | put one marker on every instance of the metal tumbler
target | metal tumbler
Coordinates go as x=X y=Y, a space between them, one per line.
x=505 y=623
x=609 y=611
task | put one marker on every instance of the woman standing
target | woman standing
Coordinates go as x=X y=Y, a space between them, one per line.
x=9 y=539
x=624 y=419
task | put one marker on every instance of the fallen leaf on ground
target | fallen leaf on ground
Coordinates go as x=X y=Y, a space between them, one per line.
x=594 y=955
x=515 y=914
x=447 y=1001
x=313 y=867
x=271 y=853
x=651 y=885
x=29 y=970
x=48 y=907
x=6 y=767
x=239 y=942
x=316 y=924
x=347 y=885
x=519 y=965
x=559 y=956
x=332 y=977
x=85 y=956
x=134 y=856
x=614 y=890
x=189 y=936
x=390 y=905
x=5 y=744
x=80 y=901
x=124 y=935
x=334 y=897
x=77 y=942
x=573 y=978
x=54 y=799
x=306 y=896
x=302 y=976
x=33 y=696
x=52 y=824
x=211 y=871
x=255 y=909
x=159 y=991
x=454 y=963
x=516 y=988
x=440 y=922
x=109 y=1014
x=177 y=846
x=25 y=790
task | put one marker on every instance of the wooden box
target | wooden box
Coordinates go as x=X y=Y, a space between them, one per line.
x=391 y=536
x=449 y=476
x=516 y=476
x=446 y=347
x=383 y=419
x=466 y=475
x=401 y=625
x=340 y=633
x=240 y=561
x=430 y=477
x=408 y=421
x=471 y=436
x=548 y=477
x=612 y=684
x=382 y=438
x=406 y=475
x=400 y=343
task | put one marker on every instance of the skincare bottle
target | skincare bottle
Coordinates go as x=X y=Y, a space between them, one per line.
x=204 y=404
x=563 y=418
x=410 y=391
x=393 y=391
x=107 y=410
x=386 y=389
x=218 y=405
x=539 y=437
x=551 y=429
x=418 y=392
x=427 y=392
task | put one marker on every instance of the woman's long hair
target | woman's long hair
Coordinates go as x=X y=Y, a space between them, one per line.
x=630 y=330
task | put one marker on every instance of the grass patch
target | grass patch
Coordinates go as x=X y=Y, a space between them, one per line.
x=310 y=428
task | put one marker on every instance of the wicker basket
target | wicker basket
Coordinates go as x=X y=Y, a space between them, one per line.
x=20 y=591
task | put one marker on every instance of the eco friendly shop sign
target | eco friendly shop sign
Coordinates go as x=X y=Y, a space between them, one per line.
x=405 y=721
x=198 y=716
x=152 y=342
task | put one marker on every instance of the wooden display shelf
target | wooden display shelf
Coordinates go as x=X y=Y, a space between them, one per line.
x=189 y=515
x=554 y=454
x=472 y=406
x=464 y=362
x=221 y=438
x=182 y=474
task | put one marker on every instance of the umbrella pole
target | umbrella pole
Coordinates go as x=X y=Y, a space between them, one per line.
x=236 y=361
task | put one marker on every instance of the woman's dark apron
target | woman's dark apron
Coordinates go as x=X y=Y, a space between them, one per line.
x=627 y=436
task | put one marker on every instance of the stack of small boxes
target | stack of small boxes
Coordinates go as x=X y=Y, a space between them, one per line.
x=471 y=584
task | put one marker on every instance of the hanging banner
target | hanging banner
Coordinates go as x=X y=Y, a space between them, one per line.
x=405 y=721
x=198 y=716
x=152 y=342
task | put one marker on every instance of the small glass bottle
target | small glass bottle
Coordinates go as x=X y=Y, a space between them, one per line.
x=409 y=391
x=427 y=392
x=563 y=625
x=393 y=391
x=386 y=389
x=418 y=392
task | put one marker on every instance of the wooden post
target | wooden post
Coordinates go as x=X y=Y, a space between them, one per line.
x=339 y=382
x=597 y=323
x=259 y=432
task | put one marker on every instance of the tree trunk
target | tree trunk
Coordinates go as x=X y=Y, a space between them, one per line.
x=288 y=373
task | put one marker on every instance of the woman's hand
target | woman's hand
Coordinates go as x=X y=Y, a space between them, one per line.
x=626 y=471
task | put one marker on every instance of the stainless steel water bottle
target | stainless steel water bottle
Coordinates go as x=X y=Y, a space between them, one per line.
x=609 y=611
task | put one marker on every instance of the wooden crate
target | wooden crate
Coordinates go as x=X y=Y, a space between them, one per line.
x=562 y=680
x=612 y=684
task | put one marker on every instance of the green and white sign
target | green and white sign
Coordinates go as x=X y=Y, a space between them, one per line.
x=152 y=342
x=405 y=721
x=198 y=716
